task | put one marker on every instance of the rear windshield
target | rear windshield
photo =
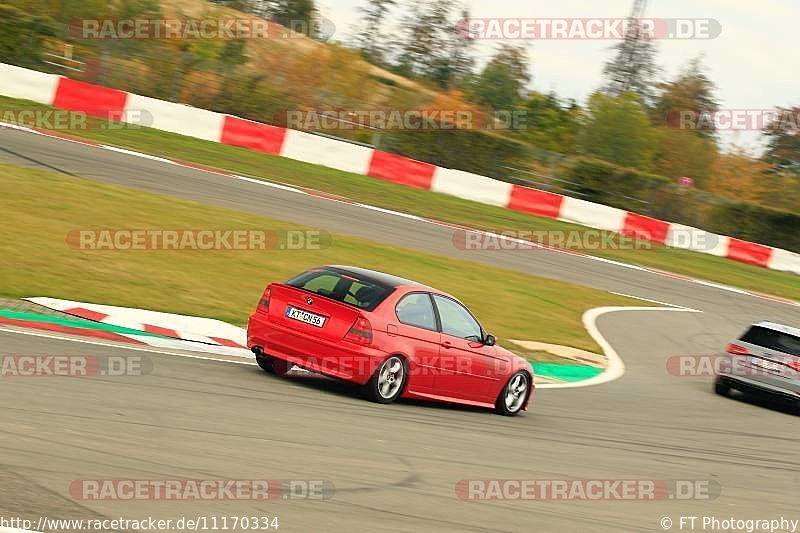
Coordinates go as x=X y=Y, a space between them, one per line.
x=773 y=340
x=341 y=287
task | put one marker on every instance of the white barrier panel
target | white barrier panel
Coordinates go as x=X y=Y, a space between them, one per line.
x=175 y=118
x=689 y=238
x=597 y=216
x=471 y=186
x=326 y=152
x=784 y=260
x=18 y=82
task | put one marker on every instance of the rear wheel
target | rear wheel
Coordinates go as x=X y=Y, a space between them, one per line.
x=264 y=362
x=386 y=385
x=281 y=367
x=271 y=365
x=514 y=394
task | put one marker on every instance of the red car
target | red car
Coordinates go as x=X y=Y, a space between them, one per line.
x=394 y=337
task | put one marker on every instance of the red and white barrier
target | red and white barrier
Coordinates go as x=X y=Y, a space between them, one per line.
x=592 y=215
x=17 y=82
x=471 y=187
x=318 y=150
x=176 y=118
x=188 y=328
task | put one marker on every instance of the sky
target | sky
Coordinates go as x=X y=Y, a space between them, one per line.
x=753 y=61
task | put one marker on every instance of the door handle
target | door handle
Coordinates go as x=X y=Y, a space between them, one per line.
x=447 y=344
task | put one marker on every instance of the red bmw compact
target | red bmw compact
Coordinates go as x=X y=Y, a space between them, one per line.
x=393 y=337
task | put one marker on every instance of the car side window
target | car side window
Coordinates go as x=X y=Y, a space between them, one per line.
x=457 y=320
x=416 y=310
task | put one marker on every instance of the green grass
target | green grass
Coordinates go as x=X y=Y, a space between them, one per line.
x=40 y=208
x=423 y=203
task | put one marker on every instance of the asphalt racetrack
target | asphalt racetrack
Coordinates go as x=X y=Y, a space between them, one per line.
x=394 y=468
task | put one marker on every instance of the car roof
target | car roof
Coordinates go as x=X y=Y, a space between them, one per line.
x=779 y=327
x=380 y=278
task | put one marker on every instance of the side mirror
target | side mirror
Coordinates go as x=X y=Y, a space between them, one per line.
x=490 y=340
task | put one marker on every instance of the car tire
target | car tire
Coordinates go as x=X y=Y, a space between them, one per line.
x=513 y=395
x=265 y=362
x=388 y=381
x=721 y=388
x=280 y=367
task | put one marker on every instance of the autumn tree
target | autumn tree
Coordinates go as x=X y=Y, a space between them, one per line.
x=783 y=140
x=618 y=130
x=369 y=30
x=692 y=94
x=502 y=83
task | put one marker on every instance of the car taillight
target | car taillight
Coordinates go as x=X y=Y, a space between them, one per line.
x=794 y=365
x=360 y=332
x=735 y=349
x=264 y=303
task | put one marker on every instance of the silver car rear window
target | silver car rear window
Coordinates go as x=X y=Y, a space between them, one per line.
x=773 y=340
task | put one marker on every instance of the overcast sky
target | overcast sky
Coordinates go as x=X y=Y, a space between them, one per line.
x=753 y=61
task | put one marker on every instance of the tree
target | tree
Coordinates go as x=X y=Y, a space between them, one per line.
x=618 y=130
x=690 y=95
x=679 y=153
x=455 y=64
x=501 y=84
x=633 y=68
x=369 y=31
x=549 y=124
x=297 y=15
x=424 y=37
x=783 y=140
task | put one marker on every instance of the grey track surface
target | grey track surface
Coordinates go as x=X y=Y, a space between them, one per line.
x=395 y=467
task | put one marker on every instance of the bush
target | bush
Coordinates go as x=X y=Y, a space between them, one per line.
x=659 y=197
x=476 y=151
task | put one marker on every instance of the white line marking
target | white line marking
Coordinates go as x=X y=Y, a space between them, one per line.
x=654 y=301
x=616 y=367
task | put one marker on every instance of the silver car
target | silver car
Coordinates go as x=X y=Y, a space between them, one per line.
x=765 y=360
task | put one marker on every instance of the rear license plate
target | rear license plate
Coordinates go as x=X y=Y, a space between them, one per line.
x=304 y=316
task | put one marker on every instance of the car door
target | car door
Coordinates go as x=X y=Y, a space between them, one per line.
x=418 y=331
x=466 y=366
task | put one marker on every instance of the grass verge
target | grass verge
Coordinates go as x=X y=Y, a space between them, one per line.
x=41 y=208
x=423 y=203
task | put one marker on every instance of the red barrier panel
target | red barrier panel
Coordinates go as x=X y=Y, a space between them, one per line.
x=646 y=228
x=91 y=99
x=402 y=170
x=253 y=135
x=539 y=203
x=749 y=252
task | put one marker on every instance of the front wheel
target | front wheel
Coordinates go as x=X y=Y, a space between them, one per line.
x=388 y=381
x=514 y=394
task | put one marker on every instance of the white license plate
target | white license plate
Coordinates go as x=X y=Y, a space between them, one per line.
x=304 y=316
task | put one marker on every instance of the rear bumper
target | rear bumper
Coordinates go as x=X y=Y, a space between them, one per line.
x=753 y=386
x=342 y=359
